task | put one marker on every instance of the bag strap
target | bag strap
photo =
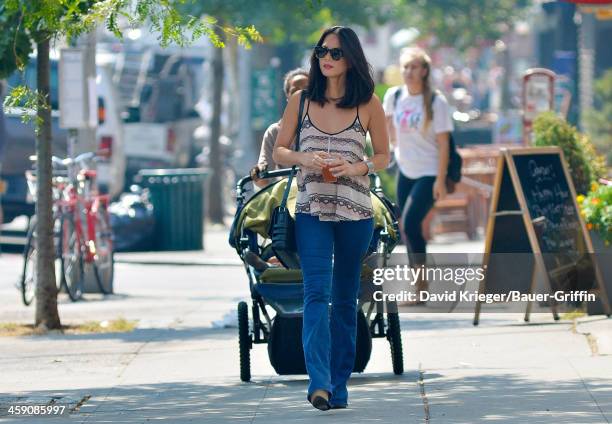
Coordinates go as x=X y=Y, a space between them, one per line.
x=396 y=96
x=299 y=126
x=297 y=148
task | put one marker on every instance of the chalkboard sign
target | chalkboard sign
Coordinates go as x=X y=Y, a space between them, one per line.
x=548 y=195
x=553 y=210
x=535 y=225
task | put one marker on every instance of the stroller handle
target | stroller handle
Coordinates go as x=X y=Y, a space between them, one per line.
x=261 y=175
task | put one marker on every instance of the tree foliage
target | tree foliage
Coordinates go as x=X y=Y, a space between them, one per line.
x=300 y=22
x=462 y=23
x=26 y=22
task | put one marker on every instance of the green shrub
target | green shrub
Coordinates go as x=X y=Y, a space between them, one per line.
x=380 y=90
x=388 y=182
x=585 y=165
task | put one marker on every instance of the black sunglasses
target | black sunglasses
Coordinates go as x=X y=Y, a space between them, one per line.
x=320 y=52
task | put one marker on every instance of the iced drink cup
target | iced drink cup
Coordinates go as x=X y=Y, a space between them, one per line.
x=328 y=177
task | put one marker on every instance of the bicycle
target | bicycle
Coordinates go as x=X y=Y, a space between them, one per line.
x=85 y=229
x=82 y=232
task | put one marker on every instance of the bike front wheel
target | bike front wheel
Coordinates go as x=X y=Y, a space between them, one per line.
x=28 y=275
x=104 y=263
x=29 y=282
x=73 y=274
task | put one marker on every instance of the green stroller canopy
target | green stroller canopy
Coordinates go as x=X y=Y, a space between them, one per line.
x=257 y=212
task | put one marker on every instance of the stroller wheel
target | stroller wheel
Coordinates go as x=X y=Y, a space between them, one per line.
x=244 y=341
x=394 y=336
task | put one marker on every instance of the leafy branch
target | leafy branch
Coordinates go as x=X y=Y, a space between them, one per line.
x=162 y=17
x=31 y=101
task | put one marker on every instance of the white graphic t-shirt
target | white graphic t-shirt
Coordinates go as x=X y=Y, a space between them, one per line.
x=416 y=151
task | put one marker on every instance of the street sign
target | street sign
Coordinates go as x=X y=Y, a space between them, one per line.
x=538 y=97
x=76 y=91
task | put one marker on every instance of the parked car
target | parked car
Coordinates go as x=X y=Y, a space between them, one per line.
x=21 y=140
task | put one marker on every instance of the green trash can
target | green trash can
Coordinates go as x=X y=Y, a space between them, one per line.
x=177 y=196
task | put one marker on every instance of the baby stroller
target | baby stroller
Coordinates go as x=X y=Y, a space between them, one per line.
x=280 y=288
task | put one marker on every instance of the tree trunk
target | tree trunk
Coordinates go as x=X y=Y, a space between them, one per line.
x=215 y=192
x=46 y=294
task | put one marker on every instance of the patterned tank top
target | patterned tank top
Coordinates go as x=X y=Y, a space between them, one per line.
x=347 y=199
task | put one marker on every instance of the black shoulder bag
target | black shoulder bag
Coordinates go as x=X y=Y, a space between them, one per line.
x=282 y=230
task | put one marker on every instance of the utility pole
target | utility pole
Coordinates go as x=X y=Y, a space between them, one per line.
x=245 y=133
x=86 y=137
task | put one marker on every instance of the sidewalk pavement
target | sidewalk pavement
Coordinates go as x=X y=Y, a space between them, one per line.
x=176 y=367
x=218 y=252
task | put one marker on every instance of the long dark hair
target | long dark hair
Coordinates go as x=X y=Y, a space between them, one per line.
x=359 y=82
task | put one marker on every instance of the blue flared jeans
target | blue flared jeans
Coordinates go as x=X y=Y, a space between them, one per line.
x=331 y=255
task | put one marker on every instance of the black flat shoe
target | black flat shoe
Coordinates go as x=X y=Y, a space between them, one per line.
x=319 y=402
x=337 y=406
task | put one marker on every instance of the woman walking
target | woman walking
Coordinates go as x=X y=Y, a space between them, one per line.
x=419 y=126
x=333 y=208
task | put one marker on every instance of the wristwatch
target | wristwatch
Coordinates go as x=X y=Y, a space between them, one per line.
x=370 y=166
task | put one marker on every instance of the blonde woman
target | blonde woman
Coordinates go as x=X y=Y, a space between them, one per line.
x=419 y=123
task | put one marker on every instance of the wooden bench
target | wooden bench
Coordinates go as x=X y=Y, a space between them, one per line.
x=467 y=209
x=453 y=214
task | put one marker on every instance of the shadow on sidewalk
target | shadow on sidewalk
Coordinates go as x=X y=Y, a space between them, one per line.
x=510 y=399
x=374 y=398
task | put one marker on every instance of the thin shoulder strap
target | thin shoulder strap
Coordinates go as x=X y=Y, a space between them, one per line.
x=297 y=148
x=300 y=119
x=357 y=117
x=308 y=106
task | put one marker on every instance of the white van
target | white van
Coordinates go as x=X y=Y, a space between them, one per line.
x=110 y=133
